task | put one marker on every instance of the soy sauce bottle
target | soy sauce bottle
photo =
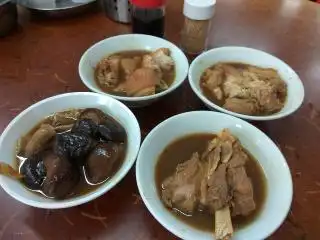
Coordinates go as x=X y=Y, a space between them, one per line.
x=148 y=17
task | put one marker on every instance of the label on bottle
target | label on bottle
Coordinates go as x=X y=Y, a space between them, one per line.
x=148 y=3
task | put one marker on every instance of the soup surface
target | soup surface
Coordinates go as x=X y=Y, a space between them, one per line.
x=244 y=88
x=136 y=73
x=180 y=150
x=71 y=153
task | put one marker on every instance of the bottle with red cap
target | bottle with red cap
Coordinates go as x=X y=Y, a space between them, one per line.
x=148 y=17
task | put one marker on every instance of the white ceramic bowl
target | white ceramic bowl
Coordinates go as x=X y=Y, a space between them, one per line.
x=112 y=45
x=26 y=120
x=279 y=182
x=254 y=57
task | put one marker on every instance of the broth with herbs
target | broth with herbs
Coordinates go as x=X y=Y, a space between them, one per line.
x=71 y=153
x=136 y=73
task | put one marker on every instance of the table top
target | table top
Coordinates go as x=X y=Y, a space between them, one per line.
x=41 y=59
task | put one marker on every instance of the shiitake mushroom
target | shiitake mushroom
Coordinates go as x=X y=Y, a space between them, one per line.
x=85 y=126
x=93 y=144
x=100 y=162
x=93 y=114
x=61 y=176
x=107 y=130
x=111 y=131
x=54 y=175
x=73 y=146
x=33 y=171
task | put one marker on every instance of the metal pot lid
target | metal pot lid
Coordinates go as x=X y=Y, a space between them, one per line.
x=53 y=5
x=2 y=2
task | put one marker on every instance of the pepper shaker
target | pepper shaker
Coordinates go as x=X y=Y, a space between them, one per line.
x=198 y=16
x=148 y=17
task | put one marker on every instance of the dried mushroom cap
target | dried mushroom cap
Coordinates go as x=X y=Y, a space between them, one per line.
x=96 y=115
x=34 y=172
x=101 y=161
x=73 y=146
x=61 y=176
x=85 y=126
x=109 y=131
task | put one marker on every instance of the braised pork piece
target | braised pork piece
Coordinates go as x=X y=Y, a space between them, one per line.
x=244 y=88
x=136 y=73
x=71 y=153
x=212 y=177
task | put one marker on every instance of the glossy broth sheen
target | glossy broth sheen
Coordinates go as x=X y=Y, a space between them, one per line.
x=83 y=186
x=168 y=76
x=179 y=151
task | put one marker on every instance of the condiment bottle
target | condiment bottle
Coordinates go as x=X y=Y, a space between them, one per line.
x=198 y=15
x=148 y=17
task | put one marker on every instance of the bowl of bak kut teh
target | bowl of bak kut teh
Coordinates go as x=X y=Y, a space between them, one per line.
x=206 y=175
x=246 y=83
x=135 y=69
x=67 y=150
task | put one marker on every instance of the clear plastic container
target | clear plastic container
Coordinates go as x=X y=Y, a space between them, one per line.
x=197 y=22
x=148 y=17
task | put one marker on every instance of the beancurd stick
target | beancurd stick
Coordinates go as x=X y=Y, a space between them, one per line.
x=223 y=224
x=7 y=170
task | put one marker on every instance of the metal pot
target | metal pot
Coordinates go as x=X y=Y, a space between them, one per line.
x=58 y=8
x=117 y=10
x=8 y=17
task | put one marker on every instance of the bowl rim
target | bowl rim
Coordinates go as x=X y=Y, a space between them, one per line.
x=3 y=2
x=205 y=100
x=149 y=204
x=98 y=191
x=171 y=88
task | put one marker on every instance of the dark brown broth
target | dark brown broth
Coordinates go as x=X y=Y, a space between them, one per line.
x=168 y=76
x=83 y=187
x=179 y=151
x=221 y=102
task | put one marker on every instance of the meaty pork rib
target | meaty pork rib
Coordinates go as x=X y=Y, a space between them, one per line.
x=217 y=182
x=182 y=189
